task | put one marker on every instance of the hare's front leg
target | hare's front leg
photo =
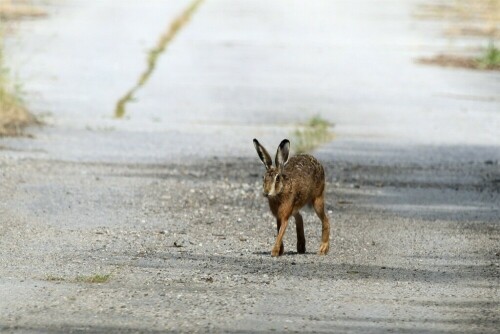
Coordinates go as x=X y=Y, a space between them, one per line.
x=279 y=248
x=282 y=246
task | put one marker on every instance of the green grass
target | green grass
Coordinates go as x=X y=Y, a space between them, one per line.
x=311 y=135
x=97 y=278
x=490 y=58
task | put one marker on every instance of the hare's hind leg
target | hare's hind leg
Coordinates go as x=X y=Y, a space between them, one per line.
x=319 y=207
x=301 y=239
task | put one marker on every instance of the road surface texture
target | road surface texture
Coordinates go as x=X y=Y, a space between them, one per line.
x=155 y=222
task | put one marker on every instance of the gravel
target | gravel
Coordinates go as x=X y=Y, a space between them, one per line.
x=188 y=247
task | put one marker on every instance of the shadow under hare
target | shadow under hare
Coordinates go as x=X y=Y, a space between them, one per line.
x=290 y=185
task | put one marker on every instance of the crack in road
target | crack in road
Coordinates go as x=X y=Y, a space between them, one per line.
x=153 y=55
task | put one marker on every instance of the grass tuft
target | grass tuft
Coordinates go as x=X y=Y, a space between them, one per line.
x=52 y=278
x=311 y=135
x=97 y=278
x=490 y=58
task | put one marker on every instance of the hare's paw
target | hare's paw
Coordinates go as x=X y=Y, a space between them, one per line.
x=324 y=248
x=275 y=252
x=301 y=247
x=278 y=251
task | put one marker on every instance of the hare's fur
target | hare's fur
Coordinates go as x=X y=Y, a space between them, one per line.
x=289 y=186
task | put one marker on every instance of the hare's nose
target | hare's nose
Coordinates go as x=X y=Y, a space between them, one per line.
x=265 y=194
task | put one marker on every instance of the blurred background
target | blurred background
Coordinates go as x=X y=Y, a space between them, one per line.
x=156 y=81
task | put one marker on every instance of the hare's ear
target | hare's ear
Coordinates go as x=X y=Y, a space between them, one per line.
x=282 y=153
x=263 y=155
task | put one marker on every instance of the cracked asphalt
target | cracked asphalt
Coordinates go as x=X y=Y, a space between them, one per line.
x=167 y=201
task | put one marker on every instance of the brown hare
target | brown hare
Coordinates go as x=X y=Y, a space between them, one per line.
x=289 y=186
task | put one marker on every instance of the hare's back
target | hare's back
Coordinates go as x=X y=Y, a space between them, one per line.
x=306 y=167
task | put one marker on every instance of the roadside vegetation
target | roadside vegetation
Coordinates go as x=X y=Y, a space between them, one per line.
x=14 y=10
x=309 y=136
x=478 y=19
x=13 y=114
x=490 y=58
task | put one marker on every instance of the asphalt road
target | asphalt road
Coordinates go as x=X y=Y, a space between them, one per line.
x=165 y=205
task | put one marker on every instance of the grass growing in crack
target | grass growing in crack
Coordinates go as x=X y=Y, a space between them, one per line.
x=52 y=278
x=490 y=58
x=153 y=55
x=13 y=114
x=97 y=278
x=314 y=133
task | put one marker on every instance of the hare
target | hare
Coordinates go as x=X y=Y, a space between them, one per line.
x=289 y=186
